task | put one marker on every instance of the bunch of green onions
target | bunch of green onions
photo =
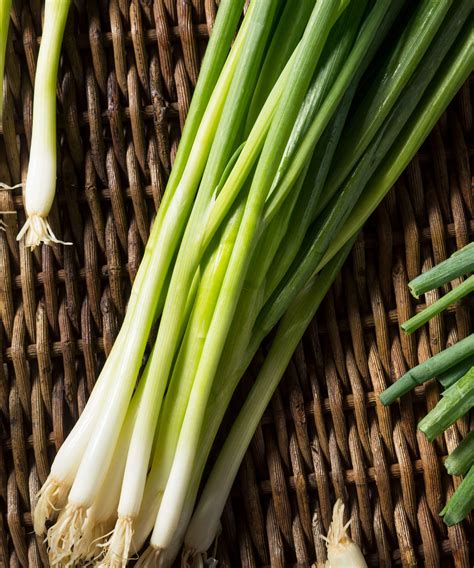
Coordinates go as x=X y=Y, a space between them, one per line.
x=264 y=200
x=454 y=369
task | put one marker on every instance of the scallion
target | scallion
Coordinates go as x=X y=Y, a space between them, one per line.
x=455 y=402
x=459 y=263
x=462 y=502
x=459 y=461
x=41 y=178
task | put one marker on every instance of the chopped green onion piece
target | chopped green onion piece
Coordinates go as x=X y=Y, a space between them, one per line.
x=459 y=263
x=462 y=458
x=414 y=323
x=462 y=502
x=454 y=403
x=457 y=371
x=430 y=368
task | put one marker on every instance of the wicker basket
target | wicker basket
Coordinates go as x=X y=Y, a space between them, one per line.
x=124 y=89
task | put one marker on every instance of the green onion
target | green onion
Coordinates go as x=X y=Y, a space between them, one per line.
x=430 y=368
x=462 y=502
x=41 y=178
x=235 y=250
x=459 y=263
x=204 y=524
x=414 y=323
x=284 y=41
x=311 y=46
x=5 y=7
x=455 y=402
x=168 y=339
x=457 y=371
x=386 y=88
x=340 y=208
x=462 y=458
x=124 y=361
x=449 y=79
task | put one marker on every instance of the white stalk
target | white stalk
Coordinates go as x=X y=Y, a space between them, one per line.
x=41 y=179
x=102 y=516
x=52 y=497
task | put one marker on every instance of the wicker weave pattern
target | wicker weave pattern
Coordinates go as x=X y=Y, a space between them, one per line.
x=125 y=84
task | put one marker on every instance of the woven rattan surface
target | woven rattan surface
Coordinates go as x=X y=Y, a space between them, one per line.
x=124 y=88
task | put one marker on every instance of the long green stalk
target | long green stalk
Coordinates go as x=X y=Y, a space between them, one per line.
x=168 y=340
x=178 y=395
x=386 y=88
x=84 y=462
x=204 y=524
x=5 y=7
x=336 y=214
x=284 y=41
x=430 y=368
x=457 y=371
x=454 y=403
x=462 y=458
x=181 y=383
x=336 y=50
x=459 y=263
x=449 y=79
x=312 y=44
x=456 y=294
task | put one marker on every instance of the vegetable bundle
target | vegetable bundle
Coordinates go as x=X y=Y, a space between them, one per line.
x=454 y=369
x=269 y=187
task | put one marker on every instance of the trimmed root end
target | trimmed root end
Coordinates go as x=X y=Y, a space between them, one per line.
x=89 y=549
x=51 y=498
x=37 y=230
x=151 y=558
x=117 y=548
x=65 y=534
x=337 y=532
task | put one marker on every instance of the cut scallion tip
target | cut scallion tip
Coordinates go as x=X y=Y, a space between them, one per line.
x=457 y=371
x=430 y=368
x=456 y=294
x=462 y=502
x=462 y=458
x=458 y=264
x=454 y=403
